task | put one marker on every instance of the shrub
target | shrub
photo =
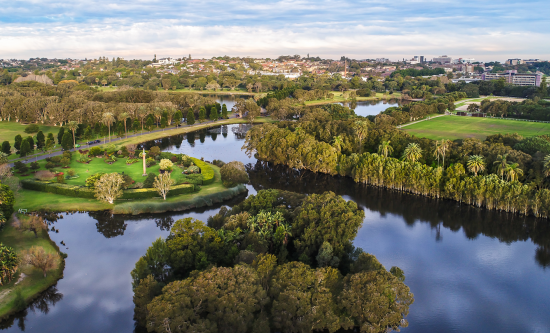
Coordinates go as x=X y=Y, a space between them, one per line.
x=92 y=179
x=132 y=160
x=206 y=171
x=128 y=181
x=56 y=159
x=62 y=189
x=32 y=128
x=149 y=181
x=65 y=161
x=17 y=165
x=35 y=166
x=23 y=168
x=186 y=161
x=193 y=169
x=50 y=165
x=166 y=164
x=71 y=173
x=44 y=175
x=67 y=154
x=218 y=163
x=166 y=155
x=233 y=173
x=60 y=178
x=174 y=159
x=110 y=159
x=150 y=162
x=84 y=159
x=195 y=179
x=154 y=151
x=95 y=151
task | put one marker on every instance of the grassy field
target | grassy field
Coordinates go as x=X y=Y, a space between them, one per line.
x=34 y=281
x=452 y=127
x=9 y=129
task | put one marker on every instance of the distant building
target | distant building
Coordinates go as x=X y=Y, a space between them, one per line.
x=515 y=78
x=463 y=61
x=382 y=60
x=514 y=62
x=532 y=61
x=443 y=59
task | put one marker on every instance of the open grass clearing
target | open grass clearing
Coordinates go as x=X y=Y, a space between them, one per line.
x=9 y=129
x=454 y=127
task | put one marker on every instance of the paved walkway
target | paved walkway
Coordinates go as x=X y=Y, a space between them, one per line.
x=414 y=122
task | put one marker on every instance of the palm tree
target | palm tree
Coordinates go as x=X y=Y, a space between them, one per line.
x=444 y=146
x=361 y=130
x=437 y=151
x=108 y=119
x=476 y=164
x=413 y=152
x=123 y=116
x=513 y=172
x=547 y=165
x=502 y=165
x=286 y=232
x=73 y=125
x=157 y=112
x=385 y=149
x=338 y=142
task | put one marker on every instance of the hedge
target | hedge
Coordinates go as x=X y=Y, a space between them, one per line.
x=57 y=188
x=85 y=192
x=206 y=171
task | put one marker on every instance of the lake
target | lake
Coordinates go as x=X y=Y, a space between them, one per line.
x=372 y=108
x=471 y=270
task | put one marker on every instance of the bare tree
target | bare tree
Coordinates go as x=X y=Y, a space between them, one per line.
x=37 y=257
x=34 y=224
x=163 y=183
x=108 y=187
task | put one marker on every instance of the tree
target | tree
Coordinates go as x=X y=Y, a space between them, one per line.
x=513 y=172
x=122 y=117
x=224 y=112
x=25 y=148
x=108 y=118
x=73 y=126
x=18 y=141
x=253 y=110
x=38 y=258
x=476 y=164
x=34 y=223
x=190 y=117
x=214 y=114
x=40 y=140
x=202 y=115
x=163 y=183
x=325 y=218
x=60 y=135
x=88 y=134
x=361 y=129
x=233 y=173
x=49 y=145
x=157 y=113
x=501 y=164
x=108 y=187
x=6 y=147
x=445 y=144
x=149 y=123
x=67 y=141
x=9 y=262
x=546 y=166
x=413 y=152
x=385 y=148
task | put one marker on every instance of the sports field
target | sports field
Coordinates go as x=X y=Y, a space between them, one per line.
x=453 y=127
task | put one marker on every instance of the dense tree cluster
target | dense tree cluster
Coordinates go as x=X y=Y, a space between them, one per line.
x=507 y=172
x=278 y=261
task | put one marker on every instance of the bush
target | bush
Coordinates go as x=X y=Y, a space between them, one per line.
x=110 y=159
x=7 y=200
x=128 y=181
x=65 y=161
x=62 y=189
x=92 y=179
x=193 y=169
x=56 y=159
x=132 y=160
x=149 y=181
x=218 y=163
x=154 y=151
x=44 y=175
x=60 y=178
x=35 y=166
x=166 y=164
x=150 y=162
x=196 y=179
x=95 y=151
x=166 y=155
x=67 y=154
x=32 y=128
x=233 y=173
x=186 y=161
x=50 y=165
x=71 y=173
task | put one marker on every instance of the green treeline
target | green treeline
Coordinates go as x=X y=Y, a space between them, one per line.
x=527 y=109
x=277 y=262
x=507 y=173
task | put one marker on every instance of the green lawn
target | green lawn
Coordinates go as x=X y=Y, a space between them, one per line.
x=454 y=127
x=34 y=282
x=9 y=129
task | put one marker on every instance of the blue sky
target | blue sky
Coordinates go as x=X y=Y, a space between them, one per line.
x=485 y=30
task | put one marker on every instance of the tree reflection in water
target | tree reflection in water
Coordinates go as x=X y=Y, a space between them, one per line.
x=473 y=221
x=42 y=303
x=108 y=224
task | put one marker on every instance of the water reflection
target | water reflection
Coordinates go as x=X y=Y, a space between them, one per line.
x=43 y=303
x=372 y=107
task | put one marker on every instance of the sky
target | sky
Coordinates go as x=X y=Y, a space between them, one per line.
x=139 y=29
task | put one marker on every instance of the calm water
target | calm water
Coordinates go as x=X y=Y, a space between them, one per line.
x=470 y=270
x=371 y=108
x=228 y=100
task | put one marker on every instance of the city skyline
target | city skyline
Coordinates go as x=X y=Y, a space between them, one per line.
x=358 y=29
